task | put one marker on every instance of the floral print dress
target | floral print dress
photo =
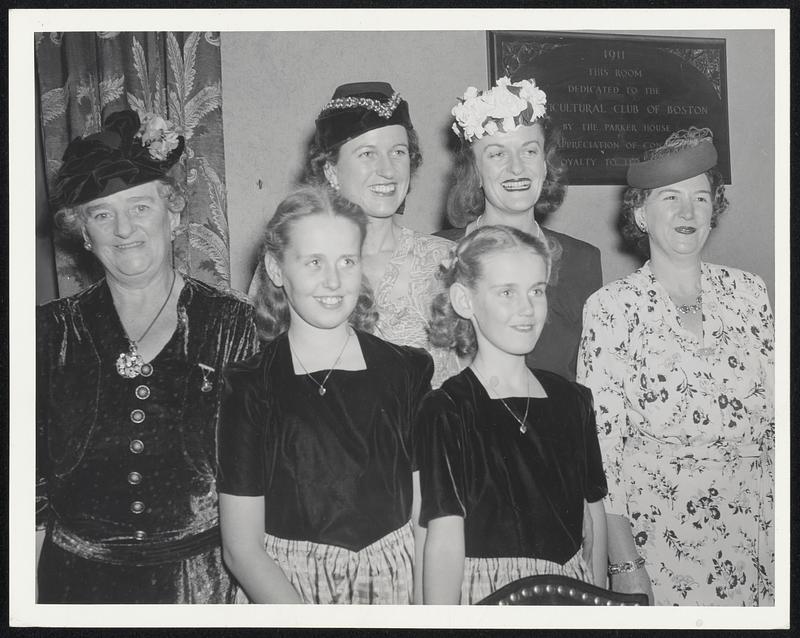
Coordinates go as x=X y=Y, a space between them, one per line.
x=404 y=314
x=687 y=431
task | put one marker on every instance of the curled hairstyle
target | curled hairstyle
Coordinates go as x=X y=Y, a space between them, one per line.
x=466 y=201
x=316 y=159
x=634 y=198
x=447 y=328
x=70 y=220
x=272 y=306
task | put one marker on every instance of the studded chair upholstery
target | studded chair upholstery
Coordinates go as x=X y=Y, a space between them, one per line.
x=551 y=589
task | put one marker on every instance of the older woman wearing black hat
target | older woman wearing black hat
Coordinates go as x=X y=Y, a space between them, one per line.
x=129 y=386
x=679 y=358
x=366 y=148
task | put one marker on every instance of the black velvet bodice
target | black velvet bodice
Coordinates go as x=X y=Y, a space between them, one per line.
x=333 y=469
x=520 y=494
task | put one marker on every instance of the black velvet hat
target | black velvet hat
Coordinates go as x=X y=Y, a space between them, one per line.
x=357 y=108
x=124 y=154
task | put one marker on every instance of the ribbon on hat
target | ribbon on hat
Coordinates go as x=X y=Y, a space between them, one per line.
x=112 y=160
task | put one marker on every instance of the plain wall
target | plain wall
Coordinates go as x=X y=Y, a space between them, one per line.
x=275 y=83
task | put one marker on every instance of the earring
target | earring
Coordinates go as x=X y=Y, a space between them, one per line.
x=642 y=227
x=87 y=245
x=334 y=185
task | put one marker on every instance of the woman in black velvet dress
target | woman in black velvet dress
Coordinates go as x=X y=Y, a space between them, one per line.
x=509 y=459
x=129 y=387
x=318 y=489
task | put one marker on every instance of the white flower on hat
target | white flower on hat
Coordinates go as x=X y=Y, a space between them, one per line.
x=158 y=135
x=470 y=116
x=534 y=96
x=471 y=92
x=502 y=108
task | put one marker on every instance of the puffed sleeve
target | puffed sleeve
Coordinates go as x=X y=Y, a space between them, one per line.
x=420 y=377
x=601 y=367
x=595 y=486
x=441 y=455
x=42 y=383
x=242 y=427
x=244 y=333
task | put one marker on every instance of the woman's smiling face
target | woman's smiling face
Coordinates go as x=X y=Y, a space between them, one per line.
x=508 y=304
x=373 y=170
x=131 y=231
x=678 y=217
x=512 y=169
x=320 y=271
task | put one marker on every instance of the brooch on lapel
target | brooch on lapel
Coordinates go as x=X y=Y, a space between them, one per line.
x=206 y=386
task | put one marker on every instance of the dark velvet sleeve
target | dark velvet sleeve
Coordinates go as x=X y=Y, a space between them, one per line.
x=242 y=427
x=595 y=486
x=421 y=375
x=244 y=334
x=43 y=329
x=440 y=448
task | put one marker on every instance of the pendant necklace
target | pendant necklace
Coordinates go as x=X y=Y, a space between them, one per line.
x=321 y=386
x=131 y=364
x=523 y=422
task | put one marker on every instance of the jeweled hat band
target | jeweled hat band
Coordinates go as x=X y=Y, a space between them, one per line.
x=357 y=108
x=673 y=168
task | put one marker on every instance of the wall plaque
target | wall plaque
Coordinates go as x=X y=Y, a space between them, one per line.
x=617 y=95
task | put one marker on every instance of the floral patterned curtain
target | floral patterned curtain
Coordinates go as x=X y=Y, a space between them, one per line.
x=82 y=77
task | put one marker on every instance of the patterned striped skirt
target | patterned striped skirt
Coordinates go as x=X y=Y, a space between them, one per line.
x=483 y=576
x=379 y=574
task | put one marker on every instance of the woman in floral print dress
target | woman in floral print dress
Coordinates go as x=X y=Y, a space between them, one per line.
x=679 y=358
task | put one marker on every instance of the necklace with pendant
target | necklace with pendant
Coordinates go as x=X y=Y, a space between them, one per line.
x=321 y=391
x=523 y=422
x=130 y=364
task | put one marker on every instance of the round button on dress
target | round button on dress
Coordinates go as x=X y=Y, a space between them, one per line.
x=140 y=535
x=136 y=446
x=142 y=392
x=137 y=416
x=137 y=507
x=134 y=478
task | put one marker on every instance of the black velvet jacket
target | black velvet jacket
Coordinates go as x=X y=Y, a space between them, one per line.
x=131 y=463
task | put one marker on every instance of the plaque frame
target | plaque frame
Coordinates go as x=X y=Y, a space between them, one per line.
x=515 y=54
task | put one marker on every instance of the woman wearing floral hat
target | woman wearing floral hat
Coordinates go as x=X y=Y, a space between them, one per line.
x=129 y=386
x=507 y=172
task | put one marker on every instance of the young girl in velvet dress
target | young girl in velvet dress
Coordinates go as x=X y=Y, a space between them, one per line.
x=509 y=460
x=317 y=482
